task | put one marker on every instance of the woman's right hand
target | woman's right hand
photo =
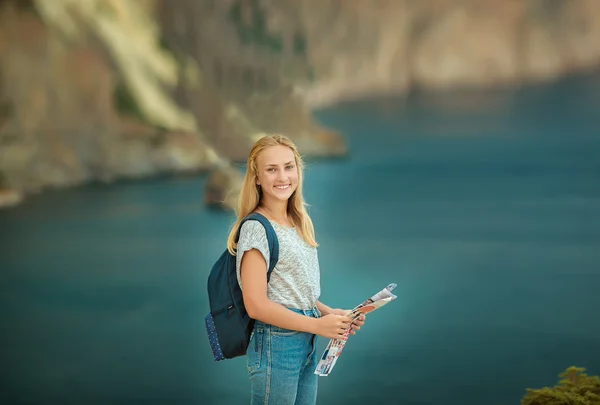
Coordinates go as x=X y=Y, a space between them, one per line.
x=332 y=326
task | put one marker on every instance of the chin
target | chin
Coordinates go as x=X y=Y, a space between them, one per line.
x=283 y=197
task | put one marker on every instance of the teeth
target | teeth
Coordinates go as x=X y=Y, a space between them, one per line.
x=282 y=187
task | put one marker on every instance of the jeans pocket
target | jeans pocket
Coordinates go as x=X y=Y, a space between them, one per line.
x=254 y=352
x=277 y=331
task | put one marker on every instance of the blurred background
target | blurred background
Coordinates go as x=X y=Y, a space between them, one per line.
x=452 y=147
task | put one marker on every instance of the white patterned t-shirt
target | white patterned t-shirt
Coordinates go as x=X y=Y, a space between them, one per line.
x=295 y=280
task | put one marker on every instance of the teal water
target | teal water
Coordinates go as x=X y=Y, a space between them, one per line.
x=484 y=208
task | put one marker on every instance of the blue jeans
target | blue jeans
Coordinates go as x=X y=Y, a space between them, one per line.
x=281 y=364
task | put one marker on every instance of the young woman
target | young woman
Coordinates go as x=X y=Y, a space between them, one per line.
x=281 y=357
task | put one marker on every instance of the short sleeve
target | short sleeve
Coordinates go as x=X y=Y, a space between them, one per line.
x=252 y=236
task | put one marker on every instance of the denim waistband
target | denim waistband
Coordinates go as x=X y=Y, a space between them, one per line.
x=313 y=312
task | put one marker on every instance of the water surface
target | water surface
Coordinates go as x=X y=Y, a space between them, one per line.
x=484 y=208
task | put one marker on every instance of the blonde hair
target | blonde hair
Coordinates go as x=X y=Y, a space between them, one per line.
x=250 y=194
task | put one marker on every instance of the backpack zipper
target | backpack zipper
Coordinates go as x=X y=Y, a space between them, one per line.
x=223 y=310
x=227 y=311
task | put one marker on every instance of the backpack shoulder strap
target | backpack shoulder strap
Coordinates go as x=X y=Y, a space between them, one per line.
x=271 y=239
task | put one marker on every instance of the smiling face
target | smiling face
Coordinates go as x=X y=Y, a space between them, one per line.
x=277 y=173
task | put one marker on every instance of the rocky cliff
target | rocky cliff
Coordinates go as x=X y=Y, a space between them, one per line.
x=358 y=48
x=73 y=111
x=69 y=114
x=60 y=124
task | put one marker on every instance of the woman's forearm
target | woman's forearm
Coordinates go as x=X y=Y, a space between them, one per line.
x=276 y=314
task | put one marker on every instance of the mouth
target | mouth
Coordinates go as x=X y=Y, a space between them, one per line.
x=282 y=187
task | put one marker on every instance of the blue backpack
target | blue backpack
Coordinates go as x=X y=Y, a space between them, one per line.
x=228 y=324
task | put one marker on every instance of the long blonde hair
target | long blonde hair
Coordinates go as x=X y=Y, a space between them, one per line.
x=250 y=194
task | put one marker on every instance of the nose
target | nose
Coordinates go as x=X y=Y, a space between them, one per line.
x=281 y=175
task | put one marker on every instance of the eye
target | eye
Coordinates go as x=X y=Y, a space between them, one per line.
x=289 y=167
x=271 y=169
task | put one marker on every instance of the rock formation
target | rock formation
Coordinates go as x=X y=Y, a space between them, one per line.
x=69 y=116
x=358 y=48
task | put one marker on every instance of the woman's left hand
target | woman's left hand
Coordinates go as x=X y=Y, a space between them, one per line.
x=356 y=325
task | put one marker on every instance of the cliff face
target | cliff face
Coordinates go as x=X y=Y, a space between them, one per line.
x=362 y=48
x=67 y=118
x=66 y=114
x=60 y=126
x=247 y=79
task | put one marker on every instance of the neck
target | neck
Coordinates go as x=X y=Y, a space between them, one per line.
x=277 y=210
